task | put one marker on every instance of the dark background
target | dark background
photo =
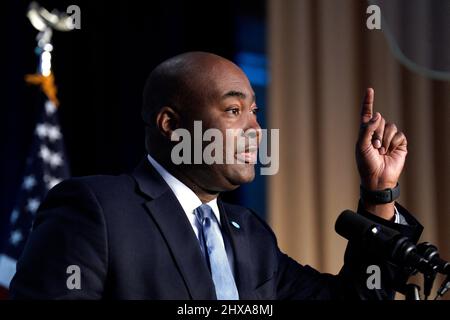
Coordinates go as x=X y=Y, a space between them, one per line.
x=100 y=72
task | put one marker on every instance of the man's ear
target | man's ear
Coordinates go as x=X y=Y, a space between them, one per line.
x=167 y=120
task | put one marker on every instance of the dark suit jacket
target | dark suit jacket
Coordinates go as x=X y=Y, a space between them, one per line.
x=132 y=240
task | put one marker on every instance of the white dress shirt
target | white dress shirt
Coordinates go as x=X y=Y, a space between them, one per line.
x=189 y=202
x=186 y=197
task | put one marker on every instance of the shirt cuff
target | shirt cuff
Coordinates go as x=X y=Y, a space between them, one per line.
x=398 y=218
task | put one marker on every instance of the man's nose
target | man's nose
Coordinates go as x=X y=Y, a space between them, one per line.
x=252 y=128
x=251 y=122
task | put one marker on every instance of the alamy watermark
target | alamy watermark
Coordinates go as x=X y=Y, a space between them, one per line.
x=374 y=20
x=236 y=147
x=374 y=280
x=73 y=281
x=75 y=13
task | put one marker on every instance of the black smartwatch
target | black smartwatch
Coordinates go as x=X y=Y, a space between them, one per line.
x=380 y=196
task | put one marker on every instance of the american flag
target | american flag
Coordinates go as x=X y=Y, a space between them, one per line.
x=45 y=167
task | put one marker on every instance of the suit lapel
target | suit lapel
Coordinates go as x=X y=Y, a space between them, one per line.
x=177 y=231
x=234 y=227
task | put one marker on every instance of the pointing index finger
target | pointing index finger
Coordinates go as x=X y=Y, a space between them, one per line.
x=367 y=106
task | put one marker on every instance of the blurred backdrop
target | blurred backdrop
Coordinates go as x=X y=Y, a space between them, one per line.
x=322 y=56
x=308 y=61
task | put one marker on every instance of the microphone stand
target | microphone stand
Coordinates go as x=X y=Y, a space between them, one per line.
x=412 y=292
x=444 y=288
x=430 y=252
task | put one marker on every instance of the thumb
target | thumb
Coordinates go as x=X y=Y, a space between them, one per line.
x=367 y=131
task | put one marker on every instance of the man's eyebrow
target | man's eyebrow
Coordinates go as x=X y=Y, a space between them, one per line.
x=237 y=94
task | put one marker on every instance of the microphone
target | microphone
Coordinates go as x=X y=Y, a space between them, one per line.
x=430 y=252
x=381 y=241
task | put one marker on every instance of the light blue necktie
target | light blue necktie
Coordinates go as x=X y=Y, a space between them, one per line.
x=211 y=235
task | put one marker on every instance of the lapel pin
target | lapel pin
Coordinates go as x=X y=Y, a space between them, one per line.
x=235 y=224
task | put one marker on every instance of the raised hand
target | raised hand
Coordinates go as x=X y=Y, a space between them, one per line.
x=380 y=150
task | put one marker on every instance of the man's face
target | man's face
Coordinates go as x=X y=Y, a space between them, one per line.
x=229 y=107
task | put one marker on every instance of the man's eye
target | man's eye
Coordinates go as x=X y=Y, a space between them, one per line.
x=234 y=111
x=255 y=110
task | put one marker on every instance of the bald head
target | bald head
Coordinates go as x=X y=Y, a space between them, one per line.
x=183 y=81
x=199 y=87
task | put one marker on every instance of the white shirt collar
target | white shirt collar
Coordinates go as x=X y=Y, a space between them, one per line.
x=186 y=197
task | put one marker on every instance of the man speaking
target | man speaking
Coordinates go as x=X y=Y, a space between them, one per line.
x=163 y=232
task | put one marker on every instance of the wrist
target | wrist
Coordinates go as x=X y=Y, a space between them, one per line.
x=378 y=185
x=380 y=196
x=380 y=201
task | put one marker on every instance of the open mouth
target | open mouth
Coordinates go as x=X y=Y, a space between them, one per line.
x=249 y=155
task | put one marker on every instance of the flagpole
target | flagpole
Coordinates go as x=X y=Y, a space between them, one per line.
x=45 y=22
x=47 y=163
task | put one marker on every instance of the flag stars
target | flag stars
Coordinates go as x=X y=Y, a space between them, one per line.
x=14 y=216
x=44 y=153
x=33 y=205
x=16 y=237
x=29 y=182
x=45 y=167
x=41 y=130
x=53 y=133
x=50 y=108
x=54 y=159
x=46 y=130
